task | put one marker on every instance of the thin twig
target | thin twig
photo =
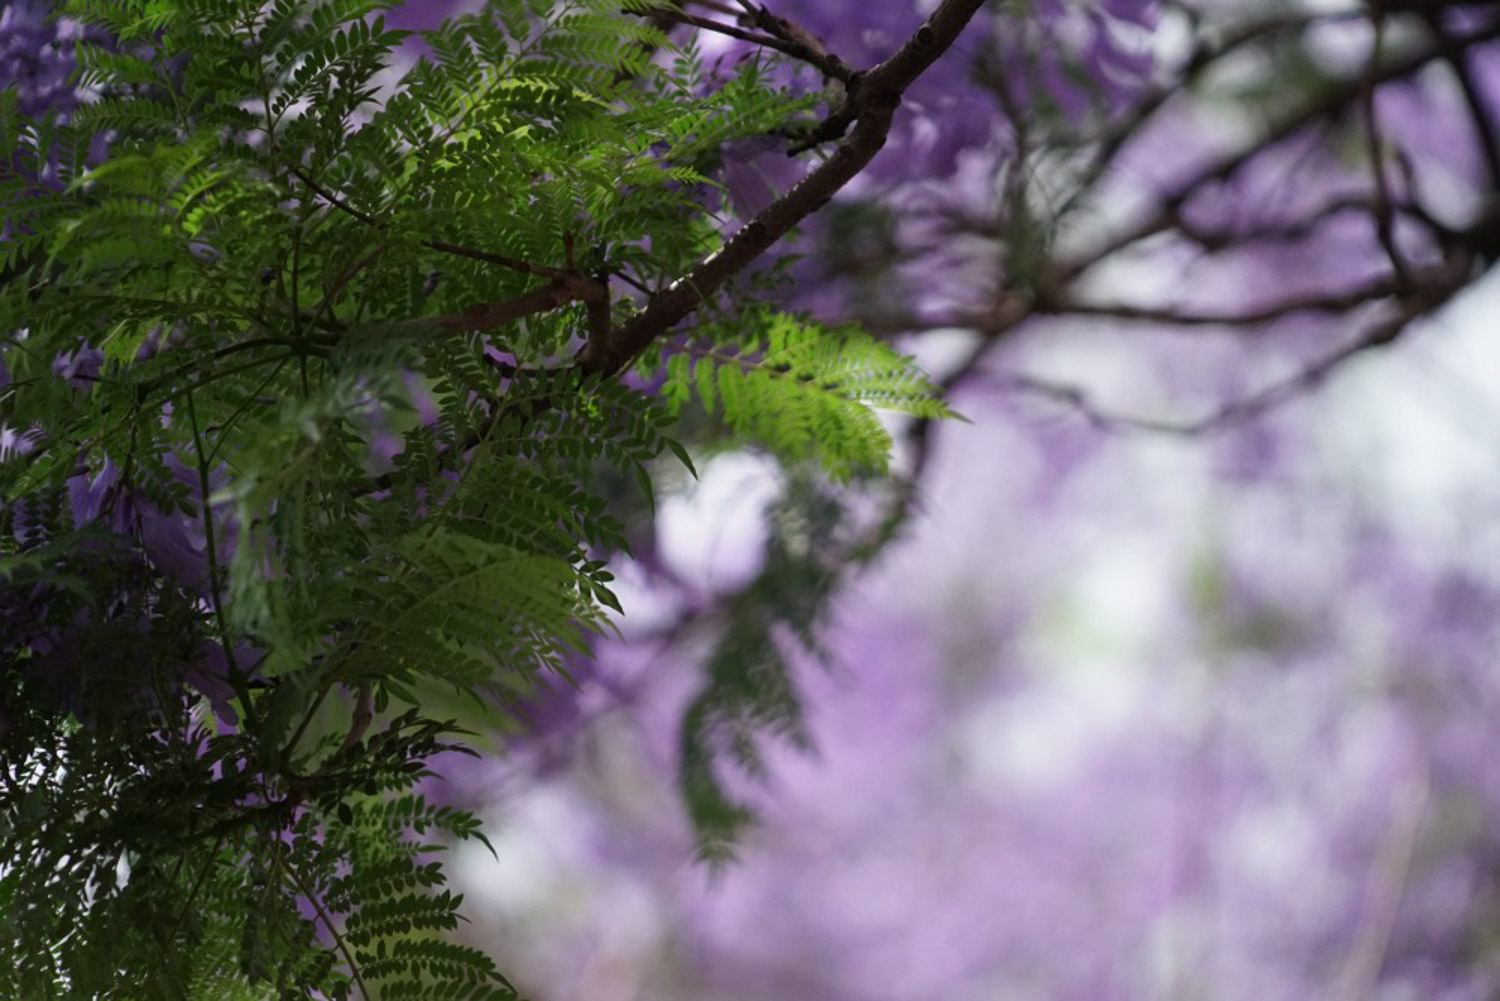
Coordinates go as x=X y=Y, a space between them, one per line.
x=830 y=66
x=338 y=939
x=1434 y=293
x=1383 y=214
x=1337 y=302
x=237 y=678
x=1329 y=102
x=442 y=246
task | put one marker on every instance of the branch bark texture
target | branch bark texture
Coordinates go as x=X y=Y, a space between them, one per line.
x=873 y=99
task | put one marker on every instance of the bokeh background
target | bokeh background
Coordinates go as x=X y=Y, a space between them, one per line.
x=1163 y=719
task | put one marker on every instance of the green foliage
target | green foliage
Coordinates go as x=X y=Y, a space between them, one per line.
x=749 y=692
x=168 y=871
x=802 y=391
x=240 y=556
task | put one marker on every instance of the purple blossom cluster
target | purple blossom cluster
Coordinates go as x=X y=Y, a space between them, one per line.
x=143 y=556
x=37 y=55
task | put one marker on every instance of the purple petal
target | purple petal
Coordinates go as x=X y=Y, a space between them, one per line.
x=17 y=443
x=1071 y=99
x=172 y=550
x=80 y=368
x=89 y=495
x=1140 y=12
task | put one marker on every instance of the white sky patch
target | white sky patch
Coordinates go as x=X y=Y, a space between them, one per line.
x=1042 y=737
x=1418 y=422
x=648 y=607
x=713 y=534
x=530 y=864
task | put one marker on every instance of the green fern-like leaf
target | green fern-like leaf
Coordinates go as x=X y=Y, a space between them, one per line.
x=804 y=391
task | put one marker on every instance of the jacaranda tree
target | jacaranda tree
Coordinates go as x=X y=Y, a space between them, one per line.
x=314 y=405
x=330 y=389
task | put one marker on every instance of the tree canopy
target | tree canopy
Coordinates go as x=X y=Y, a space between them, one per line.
x=312 y=395
x=341 y=363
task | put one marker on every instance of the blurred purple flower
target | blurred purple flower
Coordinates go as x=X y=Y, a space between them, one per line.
x=173 y=548
x=81 y=367
x=174 y=542
x=36 y=55
x=18 y=443
x=154 y=343
x=1142 y=13
x=1072 y=99
x=209 y=675
x=421 y=399
x=757 y=171
x=90 y=494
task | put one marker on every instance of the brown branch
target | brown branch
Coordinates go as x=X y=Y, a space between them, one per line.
x=556 y=293
x=514 y=264
x=344 y=278
x=1215 y=239
x=1328 y=303
x=829 y=65
x=1435 y=288
x=1330 y=102
x=333 y=199
x=835 y=125
x=874 y=104
x=361 y=718
x=1384 y=215
x=566 y=286
x=797 y=41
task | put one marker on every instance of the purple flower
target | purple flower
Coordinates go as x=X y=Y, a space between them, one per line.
x=756 y=172
x=1142 y=13
x=173 y=542
x=1072 y=100
x=427 y=411
x=155 y=343
x=18 y=443
x=37 y=56
x=173 y=548
x=80 y=368
x=385 y=445
x=92 y=494
x=209 y=675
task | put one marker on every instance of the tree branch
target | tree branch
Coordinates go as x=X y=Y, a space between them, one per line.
x=873 y=103
x=1434 y=288
x=1337 y=302
x=792 y=45
x=556 y=293
x=1330 y=102
x=1383 y=214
